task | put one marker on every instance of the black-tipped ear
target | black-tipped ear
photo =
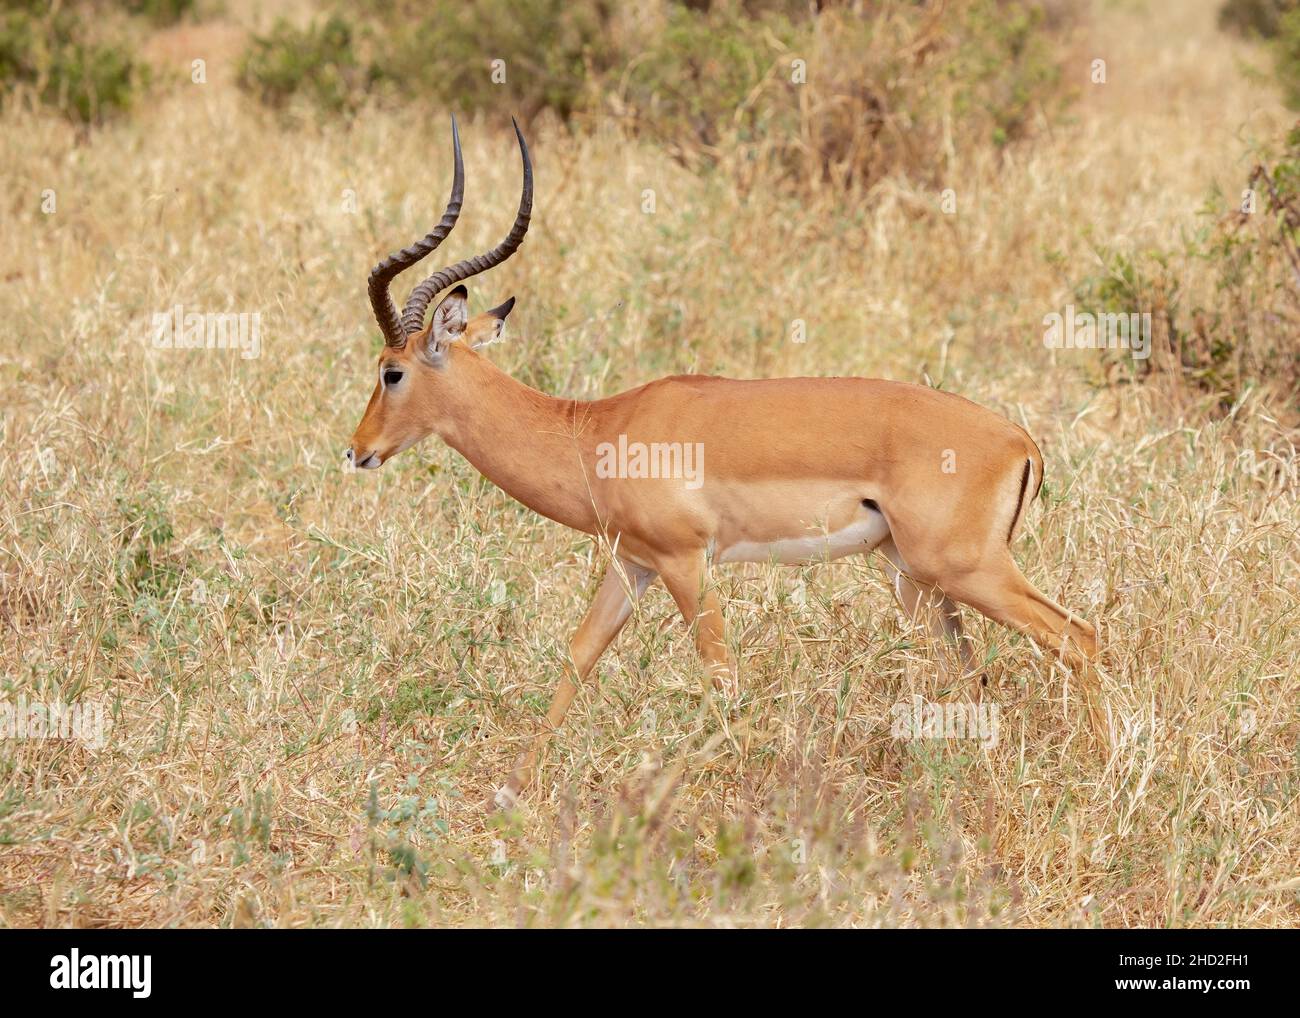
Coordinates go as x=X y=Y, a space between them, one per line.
x=501 y=310
x=484 y=332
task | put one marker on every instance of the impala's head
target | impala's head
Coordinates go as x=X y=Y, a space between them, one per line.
x=405 y=406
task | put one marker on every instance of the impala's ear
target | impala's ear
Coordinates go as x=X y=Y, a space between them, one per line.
x=487 y=327
x=449 y=320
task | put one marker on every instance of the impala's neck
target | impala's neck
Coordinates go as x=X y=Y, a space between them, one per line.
x=525 y=442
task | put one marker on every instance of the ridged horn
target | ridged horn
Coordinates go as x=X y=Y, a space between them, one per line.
x=383 y=273
x=417 y=304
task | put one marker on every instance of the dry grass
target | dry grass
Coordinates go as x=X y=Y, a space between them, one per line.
x=307 y=737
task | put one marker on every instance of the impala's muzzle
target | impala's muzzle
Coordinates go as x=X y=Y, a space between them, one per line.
x=371 y=461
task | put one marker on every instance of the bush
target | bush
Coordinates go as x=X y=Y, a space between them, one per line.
x=548 y=49
x=1286 y=57
x=1279 y=22
x=45 y=51
x=891 y=88
x=841 y=93
x=1255 y=17
x=319 y=62
x=1245 y=267
x=553 y=54
x=160 y=12
x=700 y=78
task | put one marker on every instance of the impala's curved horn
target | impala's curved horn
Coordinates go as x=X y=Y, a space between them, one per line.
x=382 y=274
x=418 y=302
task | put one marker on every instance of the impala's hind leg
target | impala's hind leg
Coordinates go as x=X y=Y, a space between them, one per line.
x=623 y=584
x=928 y=606
x=1000 y=591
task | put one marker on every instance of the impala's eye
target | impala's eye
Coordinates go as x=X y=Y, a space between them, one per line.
x=392 y=377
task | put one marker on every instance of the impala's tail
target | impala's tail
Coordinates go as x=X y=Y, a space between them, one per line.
x=1033 y=466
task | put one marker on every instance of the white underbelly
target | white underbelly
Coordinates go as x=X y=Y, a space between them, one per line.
x=862 y=536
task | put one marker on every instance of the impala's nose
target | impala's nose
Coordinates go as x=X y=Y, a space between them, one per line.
x=370 y=462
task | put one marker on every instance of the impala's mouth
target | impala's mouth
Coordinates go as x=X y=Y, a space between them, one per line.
x=371 y=461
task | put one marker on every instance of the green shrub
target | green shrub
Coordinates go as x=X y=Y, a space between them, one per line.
x=838 y=92
x=45 y=51
x=1255 y=17
x=1142 y=283
x=1003 y=66
x=1225 y=307
x=1278 y=21
x=699 y=77
x=319 y=62
x=160 y=12
x=1286 y=57
x=552 y=53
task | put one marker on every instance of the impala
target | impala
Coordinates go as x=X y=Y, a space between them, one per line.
x=797 y=470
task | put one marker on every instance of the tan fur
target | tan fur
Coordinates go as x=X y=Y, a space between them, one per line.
x=784 y=459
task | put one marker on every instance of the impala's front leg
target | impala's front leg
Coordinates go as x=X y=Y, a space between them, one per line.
x=623 y=584
x=687 y=579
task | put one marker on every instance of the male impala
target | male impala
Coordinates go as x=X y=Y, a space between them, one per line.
x=797 y=470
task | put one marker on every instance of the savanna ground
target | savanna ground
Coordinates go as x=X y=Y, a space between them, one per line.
x=316 y=678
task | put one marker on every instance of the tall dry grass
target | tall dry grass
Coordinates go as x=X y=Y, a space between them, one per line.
x=316 y=678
